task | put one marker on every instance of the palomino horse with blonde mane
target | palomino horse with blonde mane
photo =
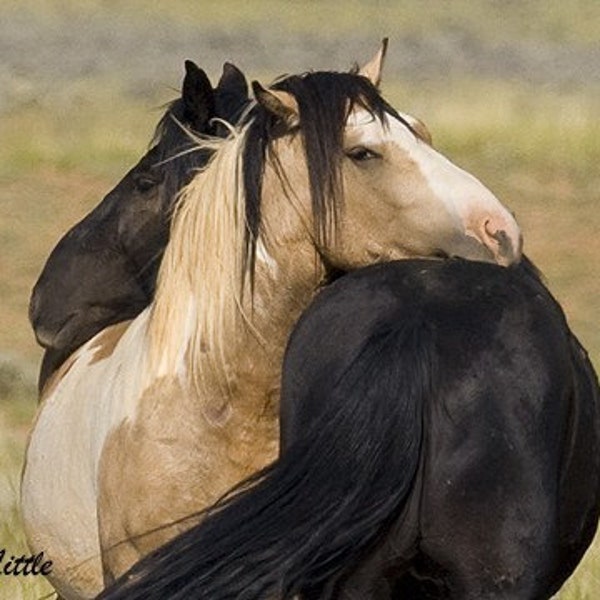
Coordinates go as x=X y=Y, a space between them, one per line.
x=155 y=419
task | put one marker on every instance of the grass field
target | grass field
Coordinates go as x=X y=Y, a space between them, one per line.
x=66 y=141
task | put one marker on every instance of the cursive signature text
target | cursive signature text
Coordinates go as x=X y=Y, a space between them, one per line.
x=24 y=565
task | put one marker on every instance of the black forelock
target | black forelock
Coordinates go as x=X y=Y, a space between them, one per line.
x=173 y=146
x=168 y=131
x=325 y=100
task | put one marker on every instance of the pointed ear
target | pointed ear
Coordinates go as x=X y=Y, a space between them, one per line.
x=232 y=82
x=280 y=104
x=372 y=70
x=198 y=98
x=231 y=95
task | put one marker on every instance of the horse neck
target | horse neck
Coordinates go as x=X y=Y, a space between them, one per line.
x=225 y=343
x=288 y=268
x=239 y=380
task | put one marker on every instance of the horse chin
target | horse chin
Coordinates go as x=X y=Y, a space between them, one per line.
x=76 y=329
x=469 y=247
x=68 y=333
x=46 y=337
x=53 y=336
x=410 y=254
x=381 y=255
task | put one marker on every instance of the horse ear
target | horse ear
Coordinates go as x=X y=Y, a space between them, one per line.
x=372 y=70
x=198 y=97
x=279 y=103
x=232 y=82
x=231 y=96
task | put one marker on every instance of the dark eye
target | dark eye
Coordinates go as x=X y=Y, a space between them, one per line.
x=144 y=182
x=361 y=154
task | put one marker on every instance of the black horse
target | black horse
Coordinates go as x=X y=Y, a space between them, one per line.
x=440 y=439
x=104 y=269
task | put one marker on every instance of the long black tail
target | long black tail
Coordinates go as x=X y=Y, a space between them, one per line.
x=300 y=525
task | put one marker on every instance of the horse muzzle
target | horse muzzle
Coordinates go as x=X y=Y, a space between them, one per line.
x=502 y=237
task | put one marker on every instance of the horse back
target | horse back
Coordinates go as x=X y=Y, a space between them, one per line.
x=511 y=456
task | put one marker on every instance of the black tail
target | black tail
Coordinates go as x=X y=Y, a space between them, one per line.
x=300 y=525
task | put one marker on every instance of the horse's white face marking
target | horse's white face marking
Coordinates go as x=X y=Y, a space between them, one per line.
x=440 y=201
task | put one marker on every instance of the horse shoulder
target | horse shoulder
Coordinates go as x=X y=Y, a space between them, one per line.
x=161 y=441
x=78 y=407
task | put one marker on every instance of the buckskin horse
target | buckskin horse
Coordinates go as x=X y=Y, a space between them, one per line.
x=167 y=412
x=440 y=438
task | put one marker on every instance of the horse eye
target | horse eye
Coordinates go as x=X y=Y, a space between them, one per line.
x=144 y=183
x=361 y=154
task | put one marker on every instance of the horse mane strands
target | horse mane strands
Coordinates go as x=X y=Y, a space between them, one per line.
x=197 y=306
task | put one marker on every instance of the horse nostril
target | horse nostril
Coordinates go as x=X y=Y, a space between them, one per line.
x=488 y=229
x=505 y=247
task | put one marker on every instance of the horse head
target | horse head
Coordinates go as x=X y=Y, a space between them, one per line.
x=377 y=188
x=321 y=174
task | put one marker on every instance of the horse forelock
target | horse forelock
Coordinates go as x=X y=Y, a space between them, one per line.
x=325 y=100
x=174 y=148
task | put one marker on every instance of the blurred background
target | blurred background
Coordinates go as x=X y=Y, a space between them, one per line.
x=510 y=90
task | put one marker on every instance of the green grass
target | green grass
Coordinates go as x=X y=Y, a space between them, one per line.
x=91 y=126
x=507 y=127
x=17 y=403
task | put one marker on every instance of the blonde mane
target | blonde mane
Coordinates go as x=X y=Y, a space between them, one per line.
x=197 y=306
